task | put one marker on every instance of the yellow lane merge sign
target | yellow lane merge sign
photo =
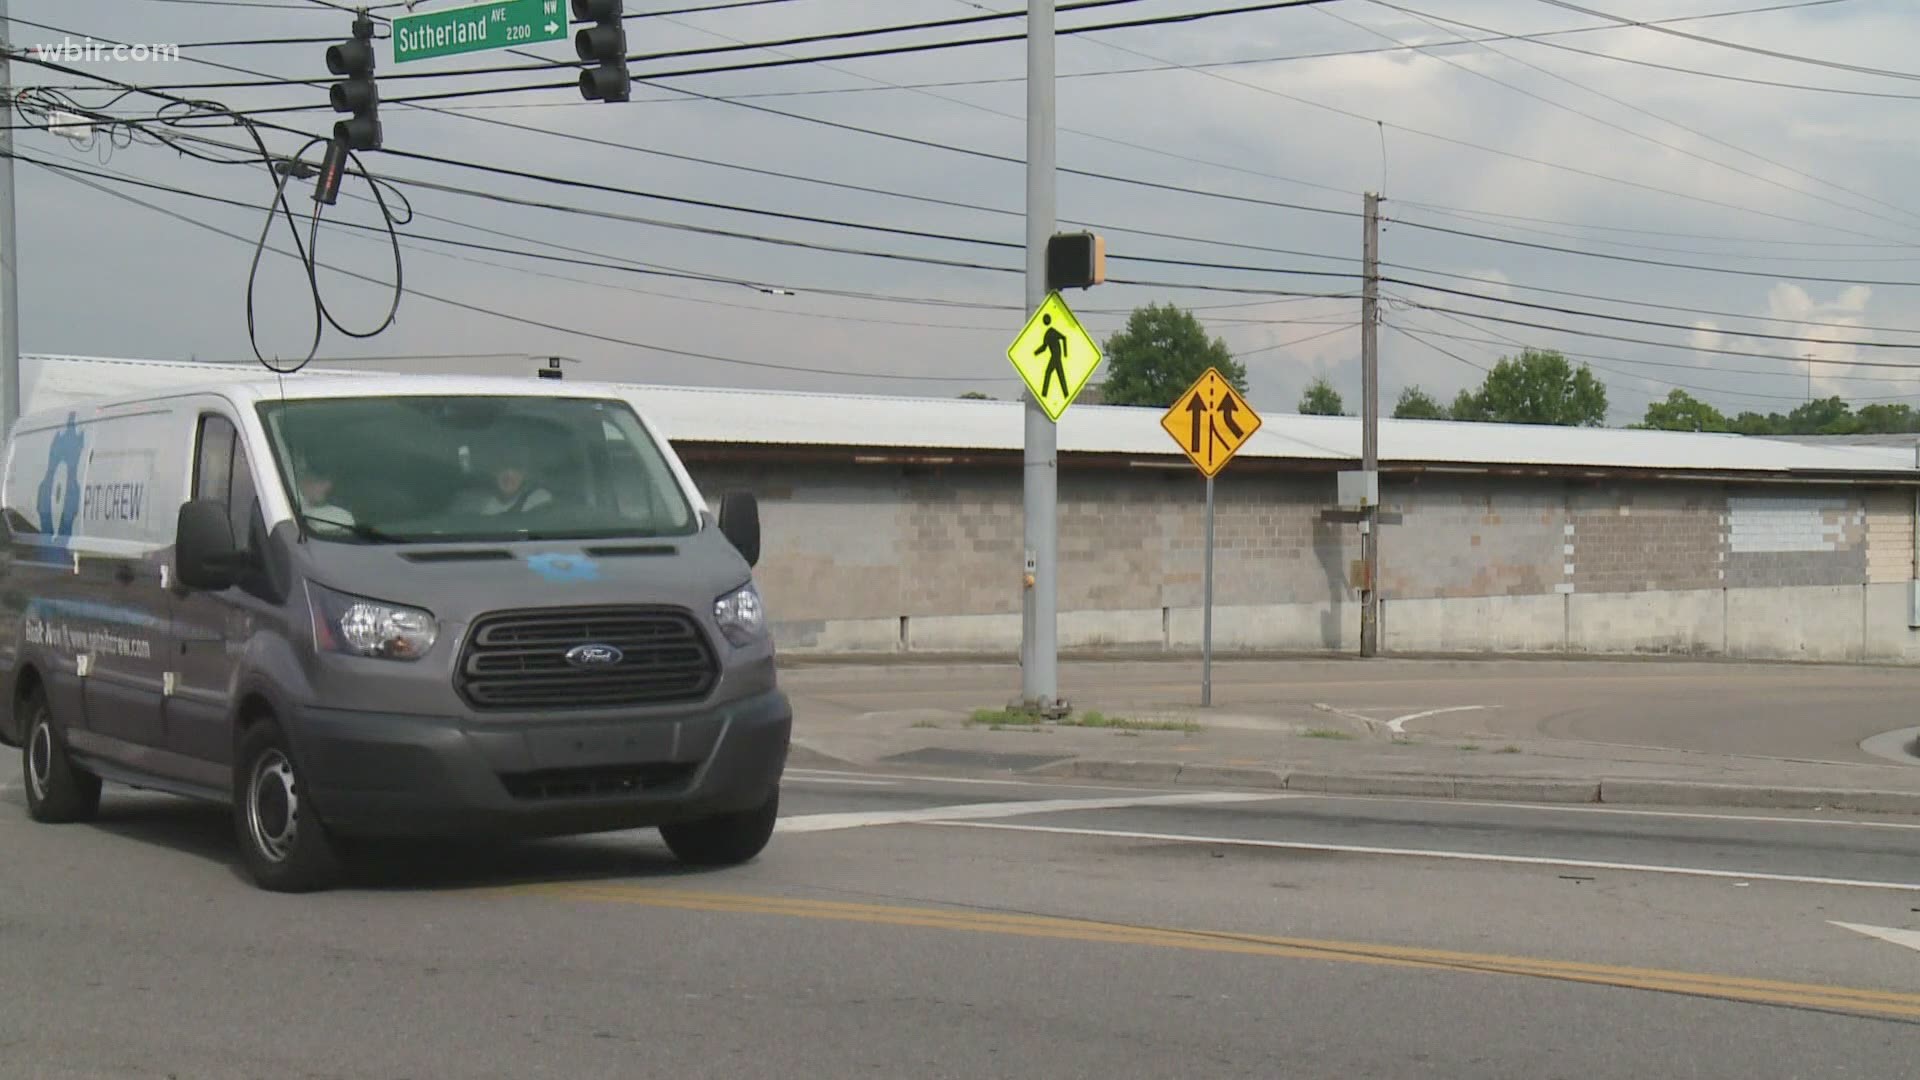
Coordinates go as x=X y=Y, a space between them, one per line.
x=1054 y=355
x=1211 y=422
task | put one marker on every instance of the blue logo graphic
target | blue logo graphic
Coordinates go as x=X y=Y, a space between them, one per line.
x=564 y=567
x=67 y=446
x=587 y=656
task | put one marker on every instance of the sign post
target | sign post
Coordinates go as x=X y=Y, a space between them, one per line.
x=490 y=24
x=1211 y=422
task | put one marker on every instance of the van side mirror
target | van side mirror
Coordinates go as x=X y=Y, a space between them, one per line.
x=203 y=546
x=740 y=524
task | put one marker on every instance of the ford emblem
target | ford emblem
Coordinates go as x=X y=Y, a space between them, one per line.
x=590 y=656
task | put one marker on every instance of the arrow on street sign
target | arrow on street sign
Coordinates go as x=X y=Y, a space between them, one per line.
x=490 y=24
x=1211 y=422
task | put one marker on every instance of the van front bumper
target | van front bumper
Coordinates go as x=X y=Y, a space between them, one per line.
x=391 y=775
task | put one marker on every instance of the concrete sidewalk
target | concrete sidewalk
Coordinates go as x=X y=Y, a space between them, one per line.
x=1718 y=735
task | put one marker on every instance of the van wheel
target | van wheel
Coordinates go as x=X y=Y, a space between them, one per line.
x=724 y=839
x=58 y=791
x=283 y=842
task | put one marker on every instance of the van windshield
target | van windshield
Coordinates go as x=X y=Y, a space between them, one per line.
x=419 y=469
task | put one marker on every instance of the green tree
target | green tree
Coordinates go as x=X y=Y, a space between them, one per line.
x=1159 y=353
x=1417 y=404
x=1753 y=423
x=1883 y=419
x=1537 y=388
x=1827 y=416
x=1681 y=411
x=1321 y=399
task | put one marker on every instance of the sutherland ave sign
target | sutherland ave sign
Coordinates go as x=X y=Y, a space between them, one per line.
x=493 y=24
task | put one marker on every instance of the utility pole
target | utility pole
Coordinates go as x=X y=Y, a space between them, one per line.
x=9 y=246
x=1370 y=432
x=1039 y=659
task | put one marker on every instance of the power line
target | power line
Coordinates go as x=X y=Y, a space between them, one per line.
x=1792 y=275
x=1696 y=132
x=1653 y=304
x=523 y=320
x=1380 y=124
x=1736 y=46
x=1755 y=334
x=1477 y=315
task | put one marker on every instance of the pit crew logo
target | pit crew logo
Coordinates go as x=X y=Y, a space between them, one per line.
x=60 y=487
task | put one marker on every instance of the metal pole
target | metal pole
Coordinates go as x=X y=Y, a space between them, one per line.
x=1370 y=431
x=9 y=247
x=1206 y=631
x=1039 y=659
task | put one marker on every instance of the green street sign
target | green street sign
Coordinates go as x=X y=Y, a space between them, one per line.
x=491 y=24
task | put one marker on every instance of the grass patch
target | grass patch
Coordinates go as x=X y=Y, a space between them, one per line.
x=1508 y=750
x=1470 y=746
x=1011 y=719
x=926 y=723
x=1329 y=733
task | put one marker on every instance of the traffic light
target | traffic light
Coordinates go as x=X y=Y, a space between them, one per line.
x=604 y=43
x=357 y=94
x=1076 y=261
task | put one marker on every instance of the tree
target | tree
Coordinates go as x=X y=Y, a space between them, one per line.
x=1321 y=399
x=974 y=395
x=1537 y=388
x=1681 y=411
x=1417 y=404
x=1159 y=353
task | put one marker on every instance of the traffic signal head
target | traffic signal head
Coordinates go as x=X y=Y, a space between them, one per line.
x=1076 y=260
x=356 y=93
x=603 y=44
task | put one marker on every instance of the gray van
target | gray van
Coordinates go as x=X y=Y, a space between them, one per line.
x=353 y=606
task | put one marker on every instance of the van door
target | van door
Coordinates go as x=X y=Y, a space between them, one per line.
x=211 y=629
x=112 y=614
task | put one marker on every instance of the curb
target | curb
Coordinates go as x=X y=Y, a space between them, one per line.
x=1492 y=789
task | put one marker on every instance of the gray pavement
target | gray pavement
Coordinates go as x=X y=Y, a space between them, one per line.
x=907 y=925
x=1663 y=733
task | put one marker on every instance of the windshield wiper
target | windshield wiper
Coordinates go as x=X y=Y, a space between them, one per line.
x=363 y=532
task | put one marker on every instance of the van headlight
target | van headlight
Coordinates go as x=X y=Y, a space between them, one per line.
x=355 y=626
x=741 y=615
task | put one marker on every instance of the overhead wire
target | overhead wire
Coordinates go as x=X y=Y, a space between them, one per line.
x=1776 y=54
x=1674 y=147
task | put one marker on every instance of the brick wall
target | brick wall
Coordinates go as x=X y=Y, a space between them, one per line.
x=879 y=542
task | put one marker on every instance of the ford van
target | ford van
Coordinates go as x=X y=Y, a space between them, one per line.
x=359 y=606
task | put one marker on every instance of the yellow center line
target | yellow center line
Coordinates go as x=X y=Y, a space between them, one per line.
x=1726 y=987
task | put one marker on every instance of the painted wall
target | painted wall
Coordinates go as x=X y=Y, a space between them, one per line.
x=864 y=558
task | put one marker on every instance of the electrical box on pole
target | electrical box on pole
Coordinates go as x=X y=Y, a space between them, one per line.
x=356 y=93
x=604 y=44
x=1076 y=261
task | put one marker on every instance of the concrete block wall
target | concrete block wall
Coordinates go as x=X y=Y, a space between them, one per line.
x=877 y=558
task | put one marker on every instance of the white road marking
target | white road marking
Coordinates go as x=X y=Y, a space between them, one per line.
x=848 y=781
x=1398 y=725
x=1756 y=819
x=973 y=811
x=1458 y=856
x=1064 y=783
x=1908 y=938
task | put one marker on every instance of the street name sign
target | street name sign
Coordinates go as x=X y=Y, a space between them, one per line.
x=491 y=24
x=1054 y=356
x=1211 y=423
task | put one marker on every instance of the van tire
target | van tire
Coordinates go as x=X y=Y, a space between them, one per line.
x=283 y=842
x=724 y=839
x=58 y=791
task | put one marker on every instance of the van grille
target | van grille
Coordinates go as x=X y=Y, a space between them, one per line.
x=518 y=660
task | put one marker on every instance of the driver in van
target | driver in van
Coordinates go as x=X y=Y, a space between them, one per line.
x=514 y=488
x=316 y=493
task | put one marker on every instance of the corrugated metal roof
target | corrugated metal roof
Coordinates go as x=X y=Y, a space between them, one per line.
x=783 y=418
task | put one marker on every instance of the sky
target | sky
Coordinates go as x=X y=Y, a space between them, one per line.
x=1234 y=149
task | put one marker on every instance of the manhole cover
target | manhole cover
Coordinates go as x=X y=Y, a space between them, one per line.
x=940 y=757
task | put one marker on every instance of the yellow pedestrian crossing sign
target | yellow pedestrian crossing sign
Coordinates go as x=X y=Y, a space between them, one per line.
x=1054 y=356
x=1211 y=422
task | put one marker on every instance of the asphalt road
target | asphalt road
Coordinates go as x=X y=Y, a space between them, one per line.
x=906 y=926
